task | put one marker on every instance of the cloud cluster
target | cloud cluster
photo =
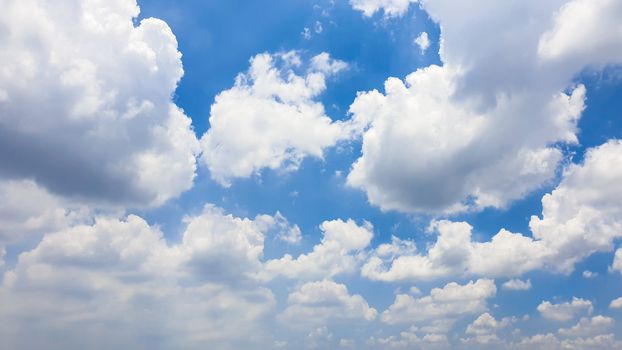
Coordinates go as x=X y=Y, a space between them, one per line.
x=318 y=303
x=565 y=311
x=443 y=304
x=583 y=215
x=94 y=91
x=118 y=283
x=391 y=8
x=482 y=129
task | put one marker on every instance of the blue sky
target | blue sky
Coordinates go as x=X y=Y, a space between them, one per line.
x=308 y=174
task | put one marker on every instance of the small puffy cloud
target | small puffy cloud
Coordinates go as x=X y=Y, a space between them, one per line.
x=423 y=42
x=316 y=303
x=391 y=8
x=516 y=284
x=589 y=274
x=616 y=303
x=588 y=327
x=337 y=253
x=565 y=311
x=447 y=303
x=95 y=92
x=270 y=118
x=412 y=338
x=484 y=329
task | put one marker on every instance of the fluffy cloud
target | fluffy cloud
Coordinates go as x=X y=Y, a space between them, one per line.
x=391 y=8
x=447 y=303
x=461 y=136
x=588 y=327
x=583 y=215
x=118 y=283
x=423 y=42
x=412 y=338
x=565 y=311
x=271 y=118
x=598 y=41
x=335 y=254
x=455 y=253
x=484 y=329
x=587 y=334
x=616 y=303
x=315 y=303
x=516 y=284
x=95 y=91
x=27 y=211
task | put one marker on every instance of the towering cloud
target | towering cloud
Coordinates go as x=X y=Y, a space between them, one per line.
x=481 y=130
x=94 y=91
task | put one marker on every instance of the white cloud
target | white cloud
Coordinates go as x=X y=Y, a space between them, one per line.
x=95 y=92
x=455 y=254
x=271 y=117
x=516 y=284
x=484 y=329
x=565 y=311
x=589 y=274
x=584 y=32
x=412 y=338
x=316 y=303
x=335 y=254
x=447 y=303
x=119 y=284
x=481 y=130
x=617 y=261
x=423 y=42
x=616 y=303
x=583 y=215
x=391 y=8
x=588 y=327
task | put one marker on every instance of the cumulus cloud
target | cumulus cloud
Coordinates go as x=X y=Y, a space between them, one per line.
x=616 y=303
x=423 y=42
x=316 y=303
x=583 y=215
x=27 y=211
x=118 y=283
x=391 y=8
x=442 y=304
x=565 y=311
x=455 y=253
x=95 y=92
x=516 y=284
x=596 y=43
x=588 y=327
x=271 y=117
x=484 y=329
x=462 y=136
x=550 y=342
x=412 y=338
x=335 y=254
